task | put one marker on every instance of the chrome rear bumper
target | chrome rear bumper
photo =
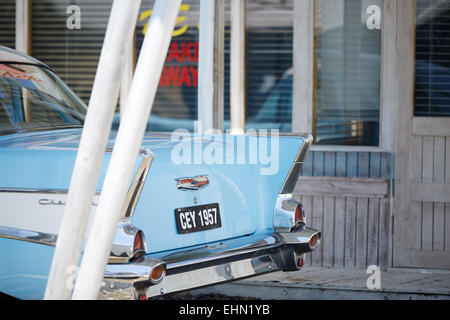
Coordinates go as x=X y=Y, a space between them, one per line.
x=216 y=263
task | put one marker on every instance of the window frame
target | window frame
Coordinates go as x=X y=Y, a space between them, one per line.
x=305 y=82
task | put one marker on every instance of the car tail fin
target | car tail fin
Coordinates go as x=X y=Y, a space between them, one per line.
x=294 y=172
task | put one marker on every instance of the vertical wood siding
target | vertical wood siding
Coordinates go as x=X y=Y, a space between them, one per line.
x=431 y=165
x=348 y=164
x=356 y=229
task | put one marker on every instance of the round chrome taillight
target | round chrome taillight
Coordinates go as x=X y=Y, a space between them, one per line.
x=158 y=273
x=314 y=241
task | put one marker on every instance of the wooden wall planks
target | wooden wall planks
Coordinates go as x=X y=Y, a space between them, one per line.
x=343 y=187
x=348 y=164
x=431 y=190
x=355 y=231
x=429 y=220
x=373 y=227
x=347 y=196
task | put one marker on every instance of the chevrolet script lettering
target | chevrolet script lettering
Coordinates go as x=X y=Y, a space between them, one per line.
x=194 y=183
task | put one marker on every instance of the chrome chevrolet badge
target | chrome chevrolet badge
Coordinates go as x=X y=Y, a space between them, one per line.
x=193 y=183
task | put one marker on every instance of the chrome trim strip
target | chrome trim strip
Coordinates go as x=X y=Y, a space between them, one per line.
x=207 y=254
x=138 y=183
x=284 y=210
x=284 y=213
x=294 y=172
x=213 y=275
x=121 y=250
x=138 y=271
x=27 y=235
x=44 y=191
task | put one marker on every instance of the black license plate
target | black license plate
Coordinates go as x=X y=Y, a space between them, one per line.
x=198 y=218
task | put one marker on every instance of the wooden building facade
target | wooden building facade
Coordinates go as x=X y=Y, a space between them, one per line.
x=388 y=205
x=369 y=78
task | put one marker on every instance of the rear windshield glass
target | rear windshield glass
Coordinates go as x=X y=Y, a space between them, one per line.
x=32 y=97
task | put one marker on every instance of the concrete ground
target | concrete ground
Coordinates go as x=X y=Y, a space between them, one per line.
x=333 y=284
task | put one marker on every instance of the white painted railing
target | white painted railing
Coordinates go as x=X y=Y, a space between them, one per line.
x=134 y=118
x=96 y=129
x=211 y=65
x=237 y=66
x=126 y=149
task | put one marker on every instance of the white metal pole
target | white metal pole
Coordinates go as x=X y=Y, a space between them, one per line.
x=96 y=129
x=211 y=64
x=237 y=67
x=23 y=27
x=127 y=76
x=206 y=64
x=126 y=149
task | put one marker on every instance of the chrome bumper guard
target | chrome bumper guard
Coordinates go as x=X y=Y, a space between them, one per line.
x=215 y=263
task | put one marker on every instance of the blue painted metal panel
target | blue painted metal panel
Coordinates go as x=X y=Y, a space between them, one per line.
x=24 y=268
x=246 y=197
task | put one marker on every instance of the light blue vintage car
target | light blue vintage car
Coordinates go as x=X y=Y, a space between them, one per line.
x=185 y=224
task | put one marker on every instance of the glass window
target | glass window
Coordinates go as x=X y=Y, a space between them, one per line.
x=269 y=67
x=175 y=104
x=432 y=86
x=269 y=64
x=72 y=53
x=348 y=73
x=348 y=63
x=33 y=97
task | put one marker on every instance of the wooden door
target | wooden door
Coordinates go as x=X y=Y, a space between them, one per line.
x=422 y=165
x=430 y=193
